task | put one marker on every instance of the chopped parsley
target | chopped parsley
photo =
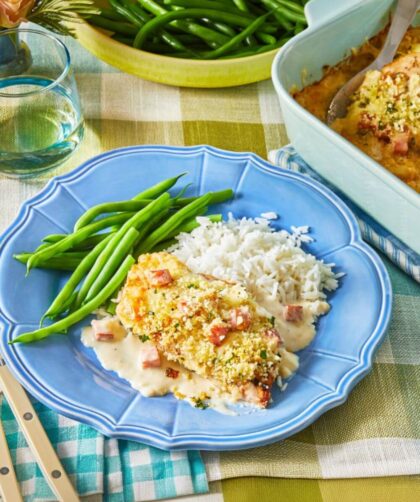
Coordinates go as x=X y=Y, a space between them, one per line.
x=272 y=321
x=192 y=286
x=263 y=354
x=151 y=312
x=144 y=338
x=199 y=403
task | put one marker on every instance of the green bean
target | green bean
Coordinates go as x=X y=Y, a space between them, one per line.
x=63 y=263
x=223 y=28
x=111 y=307
x=212 y=38
x=114 y=26
x=190 y=225
x=290 y=16
x=181 y=192
x=140 y=218
x=88 y=243
x=92 y=241
x=259 y=50
x=123 y=40
x=42 y=246
x=135 y=8
x=292 y=6
x=273 y=6
x=152 y=224
x=209 y=4
x=266 y=38
x=75 y=238
x=158 y=189
x=163 y=245
x=139 y=21
x=138 y=202
x=67 y=291
x=241 y=4
x=53 y=238
x=157 y=48
x=126 y=13
x=299 y=27
x=175 y=220
x=135 y=205
x=250 y=41
x=187 y=38
x=78 y=255
x=85 y=310
x=216 y=197
x=109 y=207
x=235 y=41
x=118 y=254
x=112 y=15
x=213 y=15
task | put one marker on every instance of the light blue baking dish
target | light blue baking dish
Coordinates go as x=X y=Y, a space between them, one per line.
x=335 y=27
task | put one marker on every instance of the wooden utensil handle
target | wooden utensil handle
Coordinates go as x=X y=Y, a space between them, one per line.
x=9 y=487
x=36 y=437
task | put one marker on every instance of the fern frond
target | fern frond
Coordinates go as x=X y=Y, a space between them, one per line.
x=59 y=15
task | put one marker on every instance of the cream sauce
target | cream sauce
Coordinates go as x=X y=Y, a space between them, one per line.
x=296 y=335
x=124 y=357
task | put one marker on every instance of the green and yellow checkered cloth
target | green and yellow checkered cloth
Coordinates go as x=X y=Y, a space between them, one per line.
x=377 y=432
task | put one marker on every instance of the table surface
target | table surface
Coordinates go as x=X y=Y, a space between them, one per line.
x=121 y=110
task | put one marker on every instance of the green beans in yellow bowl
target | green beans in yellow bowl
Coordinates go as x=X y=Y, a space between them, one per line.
x=192 y=43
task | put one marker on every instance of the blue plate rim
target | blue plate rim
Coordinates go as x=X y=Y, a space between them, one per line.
x=108 y=426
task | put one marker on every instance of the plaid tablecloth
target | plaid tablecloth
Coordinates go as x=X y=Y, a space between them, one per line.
x=377 y=432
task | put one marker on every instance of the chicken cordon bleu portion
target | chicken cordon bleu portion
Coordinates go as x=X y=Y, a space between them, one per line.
x=209 y=326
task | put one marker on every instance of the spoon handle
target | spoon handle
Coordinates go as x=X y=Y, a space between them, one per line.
x=401 y=20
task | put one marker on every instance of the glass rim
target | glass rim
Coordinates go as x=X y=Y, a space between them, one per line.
x=57 y=80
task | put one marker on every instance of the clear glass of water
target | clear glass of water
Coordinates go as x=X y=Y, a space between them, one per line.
x=41 y=123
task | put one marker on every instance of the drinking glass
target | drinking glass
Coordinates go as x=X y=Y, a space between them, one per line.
x=41 y=121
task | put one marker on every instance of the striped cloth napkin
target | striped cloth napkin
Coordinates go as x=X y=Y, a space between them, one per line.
x=119 y=470
x=372 y=232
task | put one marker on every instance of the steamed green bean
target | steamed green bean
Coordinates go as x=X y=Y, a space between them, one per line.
x=186 y=28
x=64 y=324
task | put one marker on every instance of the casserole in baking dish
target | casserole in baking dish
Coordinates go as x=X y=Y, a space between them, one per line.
x=334 y=31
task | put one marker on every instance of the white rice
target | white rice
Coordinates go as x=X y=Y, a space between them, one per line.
x=270 y=263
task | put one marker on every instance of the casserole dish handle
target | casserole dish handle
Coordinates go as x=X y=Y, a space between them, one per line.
x=321 y=11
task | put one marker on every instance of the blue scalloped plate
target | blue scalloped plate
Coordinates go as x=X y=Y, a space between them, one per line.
x=64 y=375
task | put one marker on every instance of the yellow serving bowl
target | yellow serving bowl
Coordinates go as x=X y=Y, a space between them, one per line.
x=171 y=70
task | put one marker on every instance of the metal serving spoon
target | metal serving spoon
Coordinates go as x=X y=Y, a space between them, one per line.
x=401 y=20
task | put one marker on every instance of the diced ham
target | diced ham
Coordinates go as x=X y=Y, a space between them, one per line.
x=149 y=357
x=264 y=395
x=218 y=333
x=159 y=277
x=293 y=313
x=240 y=318
x=171 y=373
x=366 y=121
x=273 y=333
x=183 y=307
x=107 y=329
x=400 y=143
x=104 y=337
